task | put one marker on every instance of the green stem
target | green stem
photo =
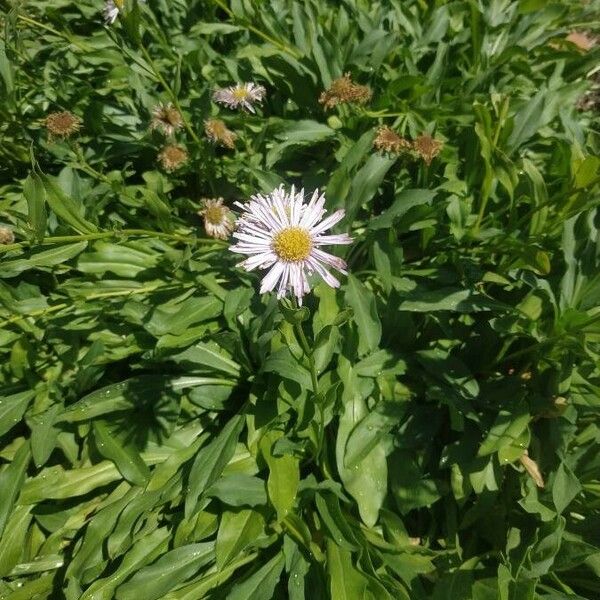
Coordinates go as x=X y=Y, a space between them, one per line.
x=283 y=47
x=66 y=239
x=39 y=25
x=171 y=93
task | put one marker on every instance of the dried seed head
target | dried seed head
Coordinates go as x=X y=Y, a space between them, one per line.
x=218 y=219
x=166 y=118
x=62 y=124
x=6 y=236
x=582 y=40
x=217 y=132
x=532 y=468
x=344 y=90
x=387 y=140
x=172 y=157
x=427 y=147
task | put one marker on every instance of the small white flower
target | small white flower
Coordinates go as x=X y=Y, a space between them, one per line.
x=281 y=233
x=111 y=11
x=240 y=95
x=112 y=8
x=218 y=219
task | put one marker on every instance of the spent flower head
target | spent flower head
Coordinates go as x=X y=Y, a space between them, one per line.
x=427 y=147
x=282 y=233
x=343 y=90
x=112 y=8
x=218 y=133
x=218 y=218
x=172 y=157
x=583 y=40
x=6 y=236
x=387 y=140
x=241 y=95
x=62 y=124
x=166 y=118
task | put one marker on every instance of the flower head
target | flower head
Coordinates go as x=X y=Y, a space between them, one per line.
x=387 y=140
x=218 y=219
x=62 y=124
x=243 y=95
x=112 y=8
x=281 y=233
x=343 y=90
x=172 y=157
x=427 y=147
x=217 y=132
x=166 y=118
x=6 y=236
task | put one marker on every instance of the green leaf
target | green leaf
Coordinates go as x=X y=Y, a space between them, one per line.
x=284 y=475
x=211 y=460
x=154 y=581
x=239 y=490
x=409 y=484
x=12 y=409
x=261 y=584
x=345 y=581
x=237 y=530
x=45 y=258
x=565 y=487
x=11 y=482
x=506 y=429
x=35 y=194
x=125 y=457
x=364 y=305
x=403 y=202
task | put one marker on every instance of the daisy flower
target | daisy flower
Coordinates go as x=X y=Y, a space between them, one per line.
x=166 y=118
x=218 y=221
x=112 y=8
x=242 y=95
x=281 y=233
x=172 y=157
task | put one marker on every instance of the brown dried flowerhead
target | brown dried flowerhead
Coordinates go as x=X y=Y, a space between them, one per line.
x=427 y=147
x=344 y=90
x=62 y=124
x=218 y=133
x=218 y=219
x=583 y=40
x=166 y=118
x=387 y=140
x=6 y=236
x=172 y=157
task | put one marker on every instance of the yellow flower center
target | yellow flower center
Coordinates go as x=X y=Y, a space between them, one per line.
x=119 y=4
x=214 y=214
x=240 y=93
x=292 y=244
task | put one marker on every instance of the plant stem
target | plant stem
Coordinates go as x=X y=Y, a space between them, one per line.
x=39 y=25
x=66 y=239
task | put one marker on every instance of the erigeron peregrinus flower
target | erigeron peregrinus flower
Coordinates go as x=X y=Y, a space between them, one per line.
x=243 y=95
x=166 y=118
x=218 y=133
x=282 y=233
x=62 y=124
x=218 y=219
x=172 y=157
x=112 y=8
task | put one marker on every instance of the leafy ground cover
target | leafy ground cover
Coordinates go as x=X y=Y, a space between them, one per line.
x=426 y=431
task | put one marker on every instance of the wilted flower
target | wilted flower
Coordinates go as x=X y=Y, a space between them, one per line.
x=387 y=140
x=343 y=90
x=427 y=147
x=281 y=233
x=62 y=124
x=242 y=95
x=6 y=235
x=172 y=157
x=166 y=118
x=218 y=219
x=582 y=40
x=217 y=132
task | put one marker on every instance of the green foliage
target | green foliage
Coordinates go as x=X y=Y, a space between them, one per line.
x=428 y=431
